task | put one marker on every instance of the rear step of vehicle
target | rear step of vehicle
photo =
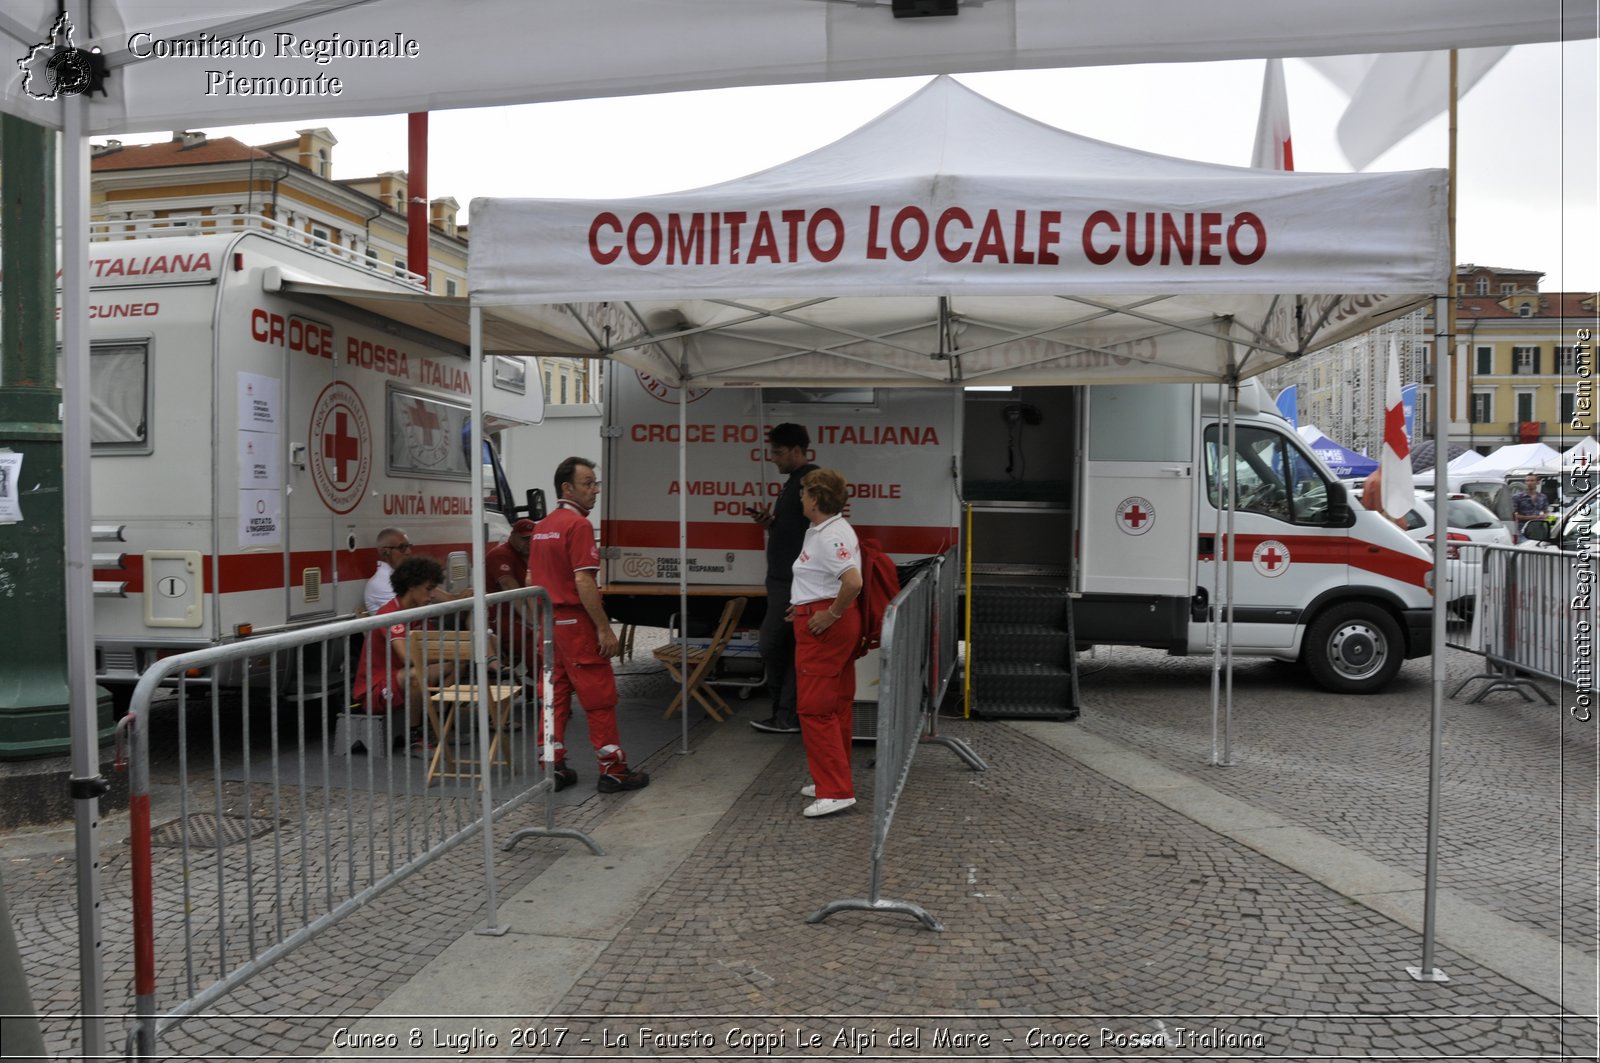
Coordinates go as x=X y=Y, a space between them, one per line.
x=1020 y=652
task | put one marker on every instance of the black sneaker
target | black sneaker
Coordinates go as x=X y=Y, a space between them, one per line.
x=564 y=777
x=773 y=725
x=628 y=780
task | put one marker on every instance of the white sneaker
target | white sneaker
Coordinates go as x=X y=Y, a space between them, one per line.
x=808 y=790
x=826 y=806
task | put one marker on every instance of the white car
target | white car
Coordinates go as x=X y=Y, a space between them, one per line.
x=1469 y=526
x=1574 y=531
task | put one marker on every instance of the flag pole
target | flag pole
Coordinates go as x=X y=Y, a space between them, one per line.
x=1444 y=363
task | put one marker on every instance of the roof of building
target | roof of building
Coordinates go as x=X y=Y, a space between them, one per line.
x=174 y=153
x=1546 y=305
x=1469 y=267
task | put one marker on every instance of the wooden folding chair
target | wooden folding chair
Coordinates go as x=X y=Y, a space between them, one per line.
x=700 y=662
x=445 y=702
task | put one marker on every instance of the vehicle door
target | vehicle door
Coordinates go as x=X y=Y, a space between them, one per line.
x=330 y=443
x=1136 y=506
x=1285 y=553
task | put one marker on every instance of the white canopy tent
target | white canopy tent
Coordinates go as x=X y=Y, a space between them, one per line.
x=510 y=51
x=442 y=56
x=951 y=241
x=1516 y=456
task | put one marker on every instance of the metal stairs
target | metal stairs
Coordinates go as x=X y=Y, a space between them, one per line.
x=1020 y=652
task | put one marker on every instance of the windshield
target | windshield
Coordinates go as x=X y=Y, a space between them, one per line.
x=1466 y=513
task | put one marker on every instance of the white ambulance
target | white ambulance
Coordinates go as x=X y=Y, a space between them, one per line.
x=256 y=423
x=1111 y=491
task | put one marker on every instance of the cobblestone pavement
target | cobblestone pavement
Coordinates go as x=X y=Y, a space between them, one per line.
x=1518 y=813
x=1080 y=917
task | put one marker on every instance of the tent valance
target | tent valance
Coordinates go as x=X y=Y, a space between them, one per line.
x=954 y=241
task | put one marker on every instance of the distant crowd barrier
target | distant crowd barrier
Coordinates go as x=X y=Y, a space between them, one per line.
x=917 y=661
x=1534 y=617
x=271 y=846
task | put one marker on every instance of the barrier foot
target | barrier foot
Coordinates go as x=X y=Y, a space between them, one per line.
x=496 y=931
x=960 y=749
x=1504 y=680
x=1434 y=975
x=863 y=905
x=551 y=832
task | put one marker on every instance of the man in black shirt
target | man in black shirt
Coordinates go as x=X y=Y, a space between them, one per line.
x=786 y=526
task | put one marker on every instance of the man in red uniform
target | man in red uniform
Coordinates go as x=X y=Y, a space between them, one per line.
x=506 y=565
x=562 y=558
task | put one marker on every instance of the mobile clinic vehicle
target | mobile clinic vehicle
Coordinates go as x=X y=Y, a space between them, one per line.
x=1113 y=489
x=250 y=439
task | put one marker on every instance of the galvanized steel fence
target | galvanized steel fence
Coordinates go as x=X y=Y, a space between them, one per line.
x=1535 y=617
x=917 y=661
x=271 y=846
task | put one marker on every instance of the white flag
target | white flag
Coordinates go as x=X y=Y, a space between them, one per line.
x=1393 y=94
x=1394 y=462
x=1273 y=150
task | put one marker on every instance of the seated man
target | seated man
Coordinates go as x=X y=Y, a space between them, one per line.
x=385 y=676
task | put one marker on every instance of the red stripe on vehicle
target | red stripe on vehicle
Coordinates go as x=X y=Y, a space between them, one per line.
x=1333 y=550
x=264 y=572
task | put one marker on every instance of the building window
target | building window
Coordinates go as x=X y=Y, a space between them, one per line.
x=563 y=388
x=1482 y=407
x=1524 y=360
x=1482 y=287
x=1461 y=289
x=1564 y=363
x=547 y=390
x=1485 y=361
x=1507 y=289
x=399 y=267
x=1524 y=405
x=1566 y=404
x=449 y=287
x=322 y=162
x=1525 y=310
x=372 y=258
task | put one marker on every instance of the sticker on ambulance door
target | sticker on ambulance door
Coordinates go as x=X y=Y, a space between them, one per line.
x=1271 y=558
x=1135 y=515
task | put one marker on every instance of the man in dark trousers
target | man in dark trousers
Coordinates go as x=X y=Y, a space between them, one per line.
x=789 y=445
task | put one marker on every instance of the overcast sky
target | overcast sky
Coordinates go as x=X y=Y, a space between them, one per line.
x=1528 y=186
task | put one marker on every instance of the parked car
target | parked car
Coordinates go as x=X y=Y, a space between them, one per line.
x=1467 y=521
x=1573 y=531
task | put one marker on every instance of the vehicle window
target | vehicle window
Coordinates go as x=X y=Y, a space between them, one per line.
x=119 y=397
x=1275 y=478
x=1466 y=513
x=1415 y=520
x=427 y=436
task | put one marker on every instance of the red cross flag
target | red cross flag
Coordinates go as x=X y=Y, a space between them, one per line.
x=1395 y=461
x=1273 y=150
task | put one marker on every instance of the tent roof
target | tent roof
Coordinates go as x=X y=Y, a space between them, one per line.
x=512 y=51
x=951 y=240
x=1514 y=456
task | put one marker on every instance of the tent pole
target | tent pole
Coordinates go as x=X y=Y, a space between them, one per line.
x=683 y=553
x=1214 y=613
x=1233 y=503
x=1444 y=317
x=87 y=784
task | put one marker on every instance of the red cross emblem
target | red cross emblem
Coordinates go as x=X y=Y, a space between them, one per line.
x=341 y=440
x=342 y=448
x=1135 y=515
x=424 y=419
x=1270 y=557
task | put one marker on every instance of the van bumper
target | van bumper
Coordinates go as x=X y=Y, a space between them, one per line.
x=1419 y=632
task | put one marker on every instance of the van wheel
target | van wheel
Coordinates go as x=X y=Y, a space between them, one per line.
x=1354 y=648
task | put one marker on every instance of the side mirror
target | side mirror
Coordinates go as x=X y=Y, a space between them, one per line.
x=1537 y=531
x=1339 y=515
x=535 y=506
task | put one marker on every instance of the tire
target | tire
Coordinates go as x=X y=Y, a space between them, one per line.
x=1353 y=648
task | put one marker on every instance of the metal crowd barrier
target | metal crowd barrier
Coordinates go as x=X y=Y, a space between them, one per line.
x=271 y=846
x=916 y=661
x=1534 y=617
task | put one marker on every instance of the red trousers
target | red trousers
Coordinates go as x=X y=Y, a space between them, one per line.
x=579 y=668
x=825 y=694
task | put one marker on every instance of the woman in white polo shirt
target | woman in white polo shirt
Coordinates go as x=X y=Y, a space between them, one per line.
x=827 y=578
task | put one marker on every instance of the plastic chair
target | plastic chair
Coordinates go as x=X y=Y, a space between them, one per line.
x=445 y=702
x=700 y=662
